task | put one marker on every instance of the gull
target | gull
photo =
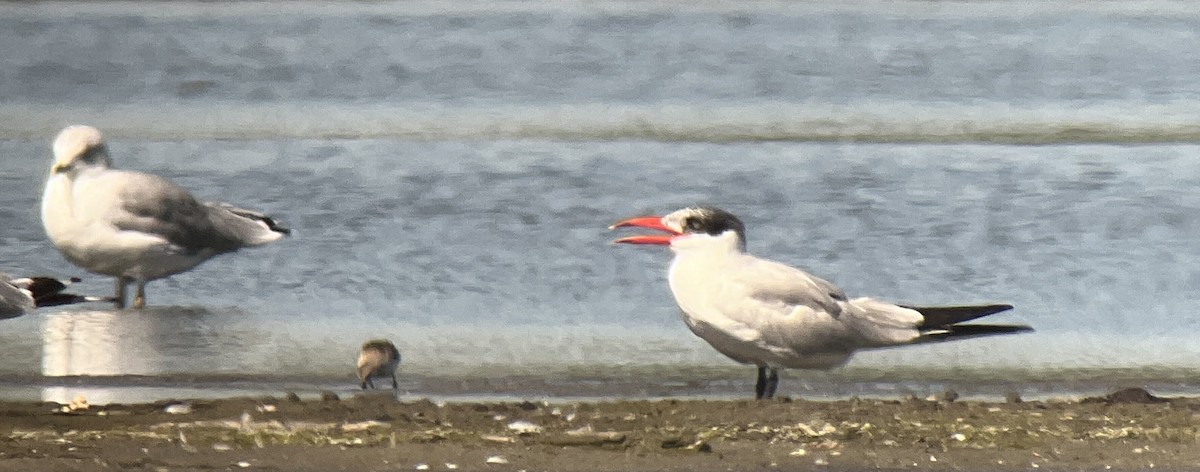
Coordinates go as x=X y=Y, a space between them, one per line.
x=378 y=358
x=19 y=296
x=762 y=312
x=135 y=226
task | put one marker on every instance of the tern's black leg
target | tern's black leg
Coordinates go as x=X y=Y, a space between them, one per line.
x=772 y=383
x=395 y=386
x=760 y=387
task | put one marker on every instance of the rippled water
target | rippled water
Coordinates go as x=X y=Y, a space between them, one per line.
x=451 y=168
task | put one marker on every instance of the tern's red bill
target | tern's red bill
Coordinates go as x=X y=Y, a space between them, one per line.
x=650 y=222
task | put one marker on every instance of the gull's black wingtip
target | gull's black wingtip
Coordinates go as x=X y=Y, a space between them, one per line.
x=274 y=225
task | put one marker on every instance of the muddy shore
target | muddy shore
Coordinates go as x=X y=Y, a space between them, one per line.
x=1129 y=430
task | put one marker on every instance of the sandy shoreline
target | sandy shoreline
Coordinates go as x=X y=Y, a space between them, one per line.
x=1130 y=431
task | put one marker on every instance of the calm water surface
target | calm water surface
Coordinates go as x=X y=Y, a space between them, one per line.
x=450 y=170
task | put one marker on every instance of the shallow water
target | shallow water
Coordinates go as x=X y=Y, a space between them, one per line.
x=450 y=171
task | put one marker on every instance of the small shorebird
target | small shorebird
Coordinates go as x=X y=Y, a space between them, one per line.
x=134 y=226
x=761 y=312
x=378 y=358
x=21 y=295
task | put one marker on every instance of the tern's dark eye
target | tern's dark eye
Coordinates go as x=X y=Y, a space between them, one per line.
x=692 y=224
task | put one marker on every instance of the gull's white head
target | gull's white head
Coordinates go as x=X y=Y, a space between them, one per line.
x=700 y=221
x=76 y=145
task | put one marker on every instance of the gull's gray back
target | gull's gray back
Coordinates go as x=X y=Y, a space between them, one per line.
x=154 y=205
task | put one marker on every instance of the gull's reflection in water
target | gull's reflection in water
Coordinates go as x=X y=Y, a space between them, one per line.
x=152 y=342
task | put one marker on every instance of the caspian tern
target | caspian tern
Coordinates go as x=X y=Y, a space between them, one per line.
x=133 y=226
x=21 y=295
x=378 y=358
x=761 y=312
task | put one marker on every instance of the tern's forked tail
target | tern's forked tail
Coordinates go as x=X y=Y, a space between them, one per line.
x=945 y=323
x=965 y=331
x=944 y=316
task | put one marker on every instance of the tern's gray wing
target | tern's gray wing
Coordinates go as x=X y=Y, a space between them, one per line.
x=154 y=205
x=774 y=283
x=809 y=315
x=778 y=308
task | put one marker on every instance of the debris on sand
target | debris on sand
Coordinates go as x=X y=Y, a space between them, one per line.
x=496 y=460
x=523 y=427
x=178 y=408
x=79 y=403
x=853 y=434
x=363 y=426
x=1126 y=395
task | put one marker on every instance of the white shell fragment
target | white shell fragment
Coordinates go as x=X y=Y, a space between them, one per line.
x=79 y=403
x=178 y=408
x=524 y=427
